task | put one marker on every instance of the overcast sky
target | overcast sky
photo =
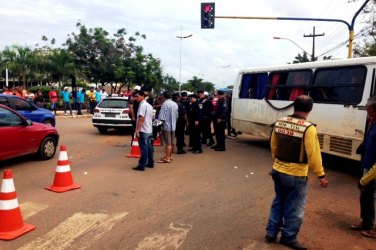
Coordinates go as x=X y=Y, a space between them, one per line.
x=213 y=55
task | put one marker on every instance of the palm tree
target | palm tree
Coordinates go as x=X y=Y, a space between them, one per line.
x=19 y=60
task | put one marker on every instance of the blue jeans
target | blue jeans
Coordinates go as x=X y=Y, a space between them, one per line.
x=287 y=211
x=145 y=142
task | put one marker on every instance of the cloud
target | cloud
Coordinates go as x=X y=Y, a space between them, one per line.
x=238 y=43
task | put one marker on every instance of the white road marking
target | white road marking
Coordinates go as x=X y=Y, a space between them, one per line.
x=29 y=209
x=172 y=240
x=62 y=236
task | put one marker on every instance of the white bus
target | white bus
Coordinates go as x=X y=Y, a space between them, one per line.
x=339 y=88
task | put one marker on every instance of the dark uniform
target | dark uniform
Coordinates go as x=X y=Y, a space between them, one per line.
x=207 y=110
x=180 y=128
x=195 y=115
x=220 y=116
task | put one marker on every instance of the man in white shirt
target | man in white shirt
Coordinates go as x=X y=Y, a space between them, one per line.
x=144 y=132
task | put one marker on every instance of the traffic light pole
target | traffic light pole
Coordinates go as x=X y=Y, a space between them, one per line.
x=349 y=26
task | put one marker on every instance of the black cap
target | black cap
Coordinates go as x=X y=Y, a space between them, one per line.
x=146 y=88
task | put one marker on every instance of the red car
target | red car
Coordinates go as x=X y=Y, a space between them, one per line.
x=20 y=136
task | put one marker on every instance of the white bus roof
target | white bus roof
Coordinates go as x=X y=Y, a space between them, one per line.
x=316 y=64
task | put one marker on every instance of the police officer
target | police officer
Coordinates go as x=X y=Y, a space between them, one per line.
x=207 y=110
x=181 y=123
x=220 y=115
x=194 y=120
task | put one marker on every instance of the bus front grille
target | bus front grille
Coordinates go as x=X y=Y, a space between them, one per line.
x=340 y=145
x=321 y=140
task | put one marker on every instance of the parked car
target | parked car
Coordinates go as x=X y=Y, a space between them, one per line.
x=20 y=136
x=28 y=109
x=112 y=112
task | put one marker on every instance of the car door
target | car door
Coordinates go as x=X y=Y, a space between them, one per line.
x=14 y=135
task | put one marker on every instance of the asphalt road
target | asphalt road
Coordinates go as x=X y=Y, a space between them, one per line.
x=214 y=200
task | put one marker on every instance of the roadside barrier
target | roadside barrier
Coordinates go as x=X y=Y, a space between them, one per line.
x=63 y=180
x=11 y=222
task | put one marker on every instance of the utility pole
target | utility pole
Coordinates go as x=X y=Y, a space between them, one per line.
x=313 y=42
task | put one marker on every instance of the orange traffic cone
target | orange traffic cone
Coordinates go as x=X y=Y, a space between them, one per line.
x=135 y=149
x=11 y=223
x=157 y=142
x=63 y=177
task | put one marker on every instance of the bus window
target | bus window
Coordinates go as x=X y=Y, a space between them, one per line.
x=288 y=85
x=253 y=86
x=338 y=85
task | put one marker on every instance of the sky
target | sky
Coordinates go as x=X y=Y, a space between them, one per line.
x=215 y=55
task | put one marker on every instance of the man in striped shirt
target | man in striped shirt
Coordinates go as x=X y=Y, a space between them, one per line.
x=169 y=115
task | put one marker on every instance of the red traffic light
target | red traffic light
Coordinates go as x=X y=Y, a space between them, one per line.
x=208 y=8
x=207 y=15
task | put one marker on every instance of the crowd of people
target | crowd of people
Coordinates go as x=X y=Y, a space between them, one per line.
x=69 y=100
x=195 y=115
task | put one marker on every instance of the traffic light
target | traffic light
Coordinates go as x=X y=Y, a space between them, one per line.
x=207 y=15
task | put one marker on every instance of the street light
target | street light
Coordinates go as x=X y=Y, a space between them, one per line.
x=224 y=69
x=181 y=37
x=276 y=37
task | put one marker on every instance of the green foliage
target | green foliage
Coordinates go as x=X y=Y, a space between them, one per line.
x=301 y=58
x=198 y=84
x=91 y=55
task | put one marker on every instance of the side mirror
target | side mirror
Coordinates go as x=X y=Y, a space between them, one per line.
x=28 y=122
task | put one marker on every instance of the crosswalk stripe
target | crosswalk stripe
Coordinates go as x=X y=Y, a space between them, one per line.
x=175 y=237
x=62 y=236
x=29 y=209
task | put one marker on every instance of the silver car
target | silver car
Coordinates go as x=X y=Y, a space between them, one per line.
x=112 y=112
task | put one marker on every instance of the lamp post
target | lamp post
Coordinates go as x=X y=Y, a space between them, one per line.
x=224 y=69
x=276 y=37
x=181 y=37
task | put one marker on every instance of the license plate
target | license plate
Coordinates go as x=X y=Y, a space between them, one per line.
x=110 y=115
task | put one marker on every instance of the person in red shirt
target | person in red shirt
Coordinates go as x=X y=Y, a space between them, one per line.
x=53 y=99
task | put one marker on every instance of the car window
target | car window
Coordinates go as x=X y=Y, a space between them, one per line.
x=114 y=103
x=19 y=104
x=4 y=101
x=8 y=118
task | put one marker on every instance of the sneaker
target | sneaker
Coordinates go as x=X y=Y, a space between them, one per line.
x=220 y=149
x=138 y=169
x=292 y=245
x=370 y=233
x=270 y=239
x=360 y=226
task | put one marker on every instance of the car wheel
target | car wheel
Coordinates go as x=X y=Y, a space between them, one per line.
x=49 y=123
x=102 y=130
x=47 y=148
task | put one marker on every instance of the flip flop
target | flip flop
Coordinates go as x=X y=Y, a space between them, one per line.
x=370 y=233
x=163 y=161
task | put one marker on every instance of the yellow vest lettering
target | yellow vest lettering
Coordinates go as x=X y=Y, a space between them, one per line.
x=290 y=139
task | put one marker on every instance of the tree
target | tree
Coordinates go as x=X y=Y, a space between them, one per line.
x=116 y=60
x=367 y=47
x=198 y=84
x=20 y=60
x=301 y=58
x=170 y=84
